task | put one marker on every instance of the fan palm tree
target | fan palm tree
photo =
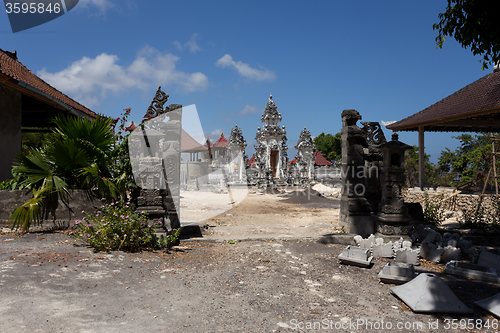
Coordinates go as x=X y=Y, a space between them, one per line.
x=77 y=155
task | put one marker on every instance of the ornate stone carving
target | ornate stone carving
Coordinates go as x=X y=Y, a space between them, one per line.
x=236 y=139
x=374 y=133
x=270 y=152
x=159 y=170
x=305 y=140
x=305 y=158
x=156 y=107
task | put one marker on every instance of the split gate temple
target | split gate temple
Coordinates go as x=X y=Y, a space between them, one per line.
x=271 y=149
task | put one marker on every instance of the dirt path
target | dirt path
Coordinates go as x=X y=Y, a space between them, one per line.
x=291 y=213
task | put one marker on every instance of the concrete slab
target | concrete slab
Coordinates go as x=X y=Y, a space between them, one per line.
x=489 y=259
x=427 y=293
x=355 y=256
x=472 y=271
x=492 y=305
x=396 y=273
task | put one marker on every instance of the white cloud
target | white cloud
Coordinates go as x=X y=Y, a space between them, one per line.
x=191 y=44
x=88 y=80
x=248 y=109
x=246 y=70
x=102 y=5
x=215 y=134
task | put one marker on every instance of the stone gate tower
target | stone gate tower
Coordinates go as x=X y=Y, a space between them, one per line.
x=271 y=150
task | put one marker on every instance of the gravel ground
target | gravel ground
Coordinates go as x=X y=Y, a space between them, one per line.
x=49 y=283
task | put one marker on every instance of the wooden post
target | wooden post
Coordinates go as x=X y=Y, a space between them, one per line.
x=421 y=157
x=494 y=155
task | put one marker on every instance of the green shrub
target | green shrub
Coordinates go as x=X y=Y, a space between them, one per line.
x=117 y=226
x=433 y=212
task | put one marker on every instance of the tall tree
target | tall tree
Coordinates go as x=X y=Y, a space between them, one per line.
x=411 y=167
x=474 y=24
x=469 y=162
x=330 y=146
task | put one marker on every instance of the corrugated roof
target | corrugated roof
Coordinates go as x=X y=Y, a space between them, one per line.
x=320 y=160
x=478 y=103
x=11 y=67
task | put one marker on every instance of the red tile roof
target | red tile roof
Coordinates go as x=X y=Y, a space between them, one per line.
x=294 y=161
x=479 y=100
x=251 y=162
x=221 y=142
x=15 y=70
x=320 y=160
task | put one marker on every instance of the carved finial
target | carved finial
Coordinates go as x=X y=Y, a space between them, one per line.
x=271 y=98
x=395 y=137
x=222 y=134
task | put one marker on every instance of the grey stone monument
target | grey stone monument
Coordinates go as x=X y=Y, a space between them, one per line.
x=393 y=218
x=155 y=148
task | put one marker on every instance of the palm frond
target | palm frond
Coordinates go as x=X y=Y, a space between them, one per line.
x=29 y=212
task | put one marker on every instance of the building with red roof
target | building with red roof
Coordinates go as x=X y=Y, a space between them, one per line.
x=27 y=102
x=218 y=149
x=319 y=160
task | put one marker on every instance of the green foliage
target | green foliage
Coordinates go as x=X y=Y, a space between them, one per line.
x=117 y=227
x=80 y=153
x=33 y=140
x=28 y=212
x=469 y=162
x=9 y=184
x=433 y=212
x=474 y=24
x=411 y=168
x=330 y=146
x=121 y=166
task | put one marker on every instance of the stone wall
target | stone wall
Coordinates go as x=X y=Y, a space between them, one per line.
x=79 y=201
x=452 y=200
x=328 y=175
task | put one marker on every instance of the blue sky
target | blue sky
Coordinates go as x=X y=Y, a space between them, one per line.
x=317 y=58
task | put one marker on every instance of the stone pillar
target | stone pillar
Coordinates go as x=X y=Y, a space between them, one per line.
x=355 y=210
x=155 y=154
x=10 y=135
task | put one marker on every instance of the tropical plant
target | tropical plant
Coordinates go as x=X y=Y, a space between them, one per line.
x=412 y=169
x=116 y=226
x=470 y=162
x=77 y=155
x=433 y=211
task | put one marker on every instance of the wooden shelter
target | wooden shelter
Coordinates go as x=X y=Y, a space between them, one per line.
x=474 y=108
